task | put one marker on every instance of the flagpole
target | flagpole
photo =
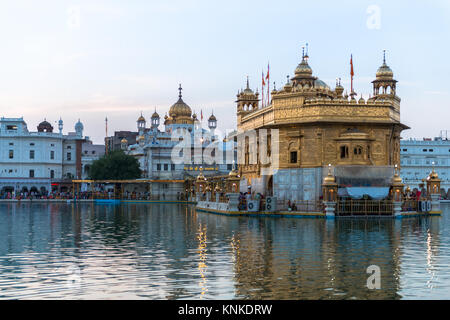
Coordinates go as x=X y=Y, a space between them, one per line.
x=262 y=90
x=268 y=84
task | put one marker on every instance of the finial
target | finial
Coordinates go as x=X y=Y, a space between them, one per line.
x=274 y=87
x=306 y=55
x=287 y=77
x=248 y=86
x=179 y=89
x=384 y=56
x=303 y=52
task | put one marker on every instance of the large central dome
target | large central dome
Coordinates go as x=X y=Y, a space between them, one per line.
x=180 y=108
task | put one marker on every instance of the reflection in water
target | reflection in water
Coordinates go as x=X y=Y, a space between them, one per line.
x=168 y=251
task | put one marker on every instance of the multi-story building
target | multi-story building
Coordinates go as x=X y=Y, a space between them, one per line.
x=113 y=143
x=154 y=149
x=317 y=126
x=33 y=161
x=419 y=156
x=90 y=153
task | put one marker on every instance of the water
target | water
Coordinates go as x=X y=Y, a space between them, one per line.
x=168 y=251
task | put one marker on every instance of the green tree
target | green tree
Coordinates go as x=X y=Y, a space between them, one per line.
x=115 y=165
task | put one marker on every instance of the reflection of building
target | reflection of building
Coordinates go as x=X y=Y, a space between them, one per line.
x=316 y=259
x=31 y=161
x=418 y=156
x=154 y=149
x=318 y=126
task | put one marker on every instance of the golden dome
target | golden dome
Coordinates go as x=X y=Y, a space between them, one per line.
x=201 y=177
x=384 y=71
x=124 y=140
x=180 y=108
x=433 y=175
x=155 y=114
x=212 y=118
x=141 y=118
x=329 y=179
x=303 y=69
x=397 y=179
x=140 y=138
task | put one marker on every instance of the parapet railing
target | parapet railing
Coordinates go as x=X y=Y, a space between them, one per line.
x=364 y=208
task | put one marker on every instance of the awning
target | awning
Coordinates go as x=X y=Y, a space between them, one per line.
x=376 y=193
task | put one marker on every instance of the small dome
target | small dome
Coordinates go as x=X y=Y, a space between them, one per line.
x=155 y=115
x=124 y=140
x=45 y=126
x=320 y=84
x=384 y=71
x=361 y=100
x=141 y=118
x=141 y=138
x=79 y=126
x=212 y=118
x=303 y=69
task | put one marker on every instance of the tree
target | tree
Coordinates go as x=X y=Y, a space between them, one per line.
x=115 y=165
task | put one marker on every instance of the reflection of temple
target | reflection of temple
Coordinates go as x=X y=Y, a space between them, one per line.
x=318 y=126
x=318 y=259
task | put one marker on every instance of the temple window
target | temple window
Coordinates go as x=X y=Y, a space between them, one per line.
x=293 y=156
x=344 y=152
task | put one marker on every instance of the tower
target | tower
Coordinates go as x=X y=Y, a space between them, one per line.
x=60 y=125
x=155 y=120
x=384 y=84
x=79 y=128
x=141 y=124
x=212 y=124
x=247 y=101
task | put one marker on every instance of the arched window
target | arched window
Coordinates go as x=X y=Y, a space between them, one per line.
x=344 y=152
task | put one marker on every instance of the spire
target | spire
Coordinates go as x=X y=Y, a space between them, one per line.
x=179 y=90
x=306 y=55
x=248 y=85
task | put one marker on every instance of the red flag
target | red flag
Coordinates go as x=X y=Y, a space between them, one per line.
x=268 y=85
x=201 y=115
x=352 y=73
x=263 y=83
x=351 y=66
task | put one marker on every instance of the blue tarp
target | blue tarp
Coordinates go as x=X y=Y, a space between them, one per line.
x=376 y=193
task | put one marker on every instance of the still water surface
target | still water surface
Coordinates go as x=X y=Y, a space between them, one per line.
x=168 y=251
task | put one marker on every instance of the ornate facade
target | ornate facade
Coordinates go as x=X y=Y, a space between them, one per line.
x=318 y=126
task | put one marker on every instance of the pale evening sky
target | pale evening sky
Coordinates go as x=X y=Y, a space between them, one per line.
x=94 y=59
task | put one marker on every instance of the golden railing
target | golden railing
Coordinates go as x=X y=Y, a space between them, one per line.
x=364 y=208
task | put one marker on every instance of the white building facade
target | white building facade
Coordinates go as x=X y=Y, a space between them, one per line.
x=31 y=161
x=418 y=156
x=154 y=149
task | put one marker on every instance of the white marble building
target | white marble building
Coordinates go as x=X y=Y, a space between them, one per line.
x=417 y=158
x=154 y=148
x=32 y=160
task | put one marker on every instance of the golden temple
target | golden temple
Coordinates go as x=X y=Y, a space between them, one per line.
x=318 y=126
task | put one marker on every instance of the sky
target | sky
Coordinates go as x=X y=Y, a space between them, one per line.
x=105 y=58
